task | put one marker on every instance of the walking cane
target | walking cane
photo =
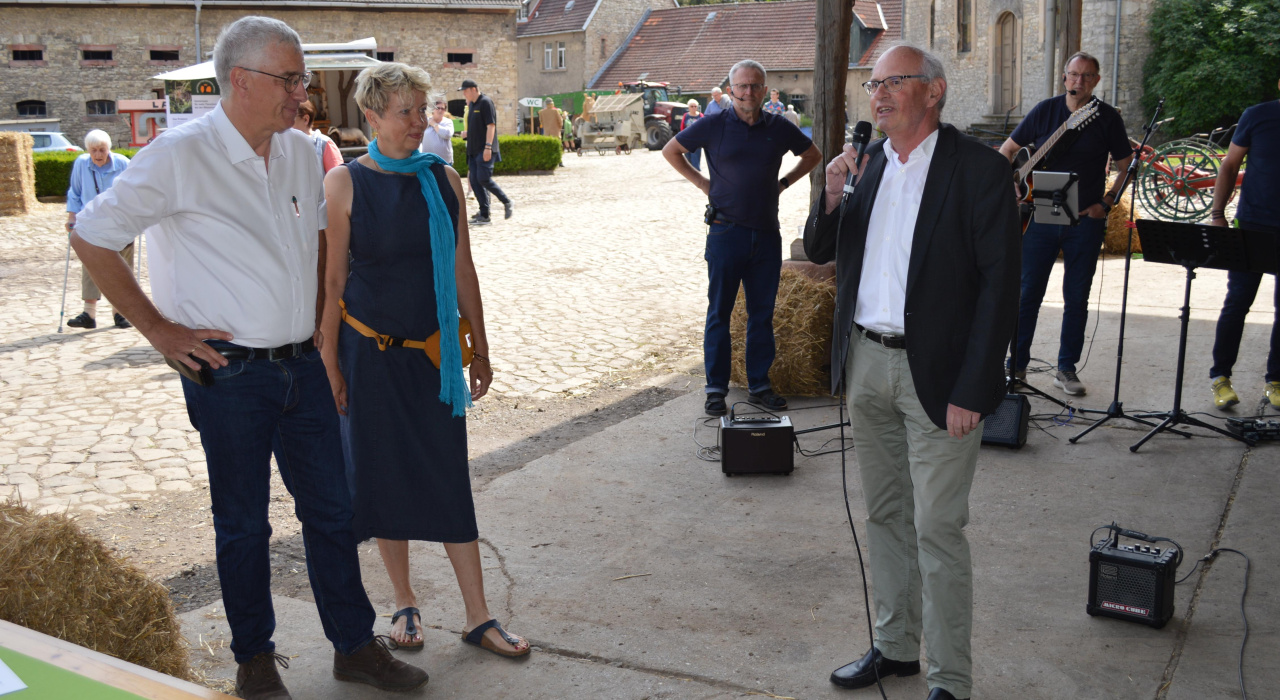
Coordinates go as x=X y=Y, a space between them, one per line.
x=66 y=271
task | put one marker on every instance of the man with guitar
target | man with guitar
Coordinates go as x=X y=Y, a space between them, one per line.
x=1074 y=132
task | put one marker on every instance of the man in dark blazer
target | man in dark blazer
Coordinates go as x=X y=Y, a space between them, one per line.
x=928 y=266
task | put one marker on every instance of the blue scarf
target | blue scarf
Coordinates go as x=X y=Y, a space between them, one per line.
x=453 y=387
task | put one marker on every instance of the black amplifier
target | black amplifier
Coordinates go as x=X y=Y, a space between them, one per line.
x=756 y=445
x=1133 y=582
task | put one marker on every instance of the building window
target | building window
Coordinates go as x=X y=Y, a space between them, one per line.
x=96 y=55
x=32 y=108
x=547 y=55
x=560 y=54
x=157 y=93
x=385 y=56
x=528 y=50
x=459 y=58
x=964 y=25
x=28 y=55
x=602 y=51
x=99 y=108
x=164 y=55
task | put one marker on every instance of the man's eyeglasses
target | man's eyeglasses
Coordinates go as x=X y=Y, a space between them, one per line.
x=291 y=82
x=1078 y=76
x=893 y=83
x=753 y=87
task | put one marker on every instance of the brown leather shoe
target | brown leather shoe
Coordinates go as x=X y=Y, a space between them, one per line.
x=259 y=680
x=373 y=664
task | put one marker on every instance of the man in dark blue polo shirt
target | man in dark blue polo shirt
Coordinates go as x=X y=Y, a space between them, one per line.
x=744 y=246
x=1257 y=136
x=1080 y=245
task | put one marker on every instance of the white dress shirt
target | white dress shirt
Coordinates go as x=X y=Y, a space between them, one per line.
x=882 y=290
x=232 y=244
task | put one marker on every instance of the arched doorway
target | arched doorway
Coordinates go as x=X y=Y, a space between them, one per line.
x=1006 y=63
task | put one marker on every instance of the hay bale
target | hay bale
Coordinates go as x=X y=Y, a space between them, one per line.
x=802 y=332
x=17 y=174
x=57 y=580
x=1116 y=241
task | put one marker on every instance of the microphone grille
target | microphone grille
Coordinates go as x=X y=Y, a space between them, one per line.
x=862 y=132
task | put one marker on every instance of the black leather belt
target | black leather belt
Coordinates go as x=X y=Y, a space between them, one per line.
x=888 y=340
x=284 y=352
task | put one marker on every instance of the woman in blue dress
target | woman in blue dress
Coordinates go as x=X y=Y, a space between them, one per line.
x=398 y=270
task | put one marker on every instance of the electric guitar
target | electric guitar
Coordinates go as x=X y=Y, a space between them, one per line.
x=1024 y=162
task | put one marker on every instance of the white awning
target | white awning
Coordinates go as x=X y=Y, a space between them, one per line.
x=315 y=55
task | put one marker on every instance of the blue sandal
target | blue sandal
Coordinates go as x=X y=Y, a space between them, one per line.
x=410 y=629
x=476 y=638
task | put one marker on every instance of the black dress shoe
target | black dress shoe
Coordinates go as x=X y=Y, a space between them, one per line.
x=768 y=399
x=862 y=673
x=507 y=207
x=715 y=405
x=84 y=320
x=940 y=694
x=122 y=322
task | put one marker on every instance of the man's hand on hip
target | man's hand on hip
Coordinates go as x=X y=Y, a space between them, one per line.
x=177 y=342
x=961 y=421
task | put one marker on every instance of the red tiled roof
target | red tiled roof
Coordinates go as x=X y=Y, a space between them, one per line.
x=892 y=11
x=556 y=16
x=695 y=46
x=869 y=13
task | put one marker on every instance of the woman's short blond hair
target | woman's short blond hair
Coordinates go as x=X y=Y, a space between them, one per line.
x=376 y=85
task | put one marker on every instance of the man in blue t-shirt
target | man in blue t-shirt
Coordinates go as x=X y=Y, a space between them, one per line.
x=744 y=148
x=1083 y=152
x=1258 y=136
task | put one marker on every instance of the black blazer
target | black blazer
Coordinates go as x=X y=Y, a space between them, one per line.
x=962 y=280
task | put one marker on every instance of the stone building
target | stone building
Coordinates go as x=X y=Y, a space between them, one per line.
x=75 y=59
x=563 y=43
x=995 y=52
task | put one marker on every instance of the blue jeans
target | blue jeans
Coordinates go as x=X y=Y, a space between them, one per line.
x=252 y=410
x=695 y=159
x=737 y=255
x=480 y=174
x=1242 y=288
x=1080 y=246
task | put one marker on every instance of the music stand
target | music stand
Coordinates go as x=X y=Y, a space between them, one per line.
x=1191 y=246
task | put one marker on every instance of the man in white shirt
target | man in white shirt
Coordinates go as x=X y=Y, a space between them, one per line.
x=234 y=207
x=438 y=138
x=928 y=269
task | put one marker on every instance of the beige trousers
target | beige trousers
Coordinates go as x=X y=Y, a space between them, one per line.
x=88 y=290
x=915 y=481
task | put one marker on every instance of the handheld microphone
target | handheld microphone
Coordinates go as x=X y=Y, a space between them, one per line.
x=861 y=137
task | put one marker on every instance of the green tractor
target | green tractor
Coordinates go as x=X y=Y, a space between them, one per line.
x=661 y=116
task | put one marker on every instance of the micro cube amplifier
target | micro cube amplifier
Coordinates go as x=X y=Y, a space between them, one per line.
x=756 y=445
x=1132 y=582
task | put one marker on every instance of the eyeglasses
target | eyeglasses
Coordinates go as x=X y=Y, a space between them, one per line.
x=753 y=87
x=893 y=83
x=1077 y=76
x=291 y=82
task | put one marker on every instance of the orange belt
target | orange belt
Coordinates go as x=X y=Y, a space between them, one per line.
x=431 y=345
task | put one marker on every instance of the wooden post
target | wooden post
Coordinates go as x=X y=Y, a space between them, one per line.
x=832 y=21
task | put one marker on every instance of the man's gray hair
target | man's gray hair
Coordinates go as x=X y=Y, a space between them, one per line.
x=748 y=63
x=1083 y=57
x=930 y=67
x=97 y=137
x=242 y=42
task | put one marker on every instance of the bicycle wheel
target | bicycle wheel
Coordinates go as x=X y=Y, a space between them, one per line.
x=1176 y=184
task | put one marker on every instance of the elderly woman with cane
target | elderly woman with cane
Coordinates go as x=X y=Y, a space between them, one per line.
x=91 y=175
x=400 y=292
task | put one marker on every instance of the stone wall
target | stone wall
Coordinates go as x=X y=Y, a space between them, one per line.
x=535 y=80
x=419 y=37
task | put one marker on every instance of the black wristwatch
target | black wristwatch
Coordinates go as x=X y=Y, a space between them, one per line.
x=784 y=182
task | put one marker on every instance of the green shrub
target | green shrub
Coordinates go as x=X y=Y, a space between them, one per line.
x=519 y=154
x=53 y=170
x=1210 y=59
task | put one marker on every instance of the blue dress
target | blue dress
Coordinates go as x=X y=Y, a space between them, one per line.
x=406 y=454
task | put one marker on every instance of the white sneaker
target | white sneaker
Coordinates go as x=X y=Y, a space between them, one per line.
x=1069 y=383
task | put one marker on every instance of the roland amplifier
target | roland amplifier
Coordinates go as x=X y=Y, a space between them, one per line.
x=1132 y=582
x=756 y=445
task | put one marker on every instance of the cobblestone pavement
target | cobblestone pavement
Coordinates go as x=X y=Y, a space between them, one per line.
x=600 y=270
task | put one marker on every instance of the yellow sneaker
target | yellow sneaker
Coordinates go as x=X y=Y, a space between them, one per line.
x=1225 y=397
x=1273 y=394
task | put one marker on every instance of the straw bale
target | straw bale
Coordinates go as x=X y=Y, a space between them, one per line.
x=802 y=333
x=17 y=174
x=1117 y=238
x=57 y=580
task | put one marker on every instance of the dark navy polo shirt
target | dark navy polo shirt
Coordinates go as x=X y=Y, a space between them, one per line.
x=1087 y=156
x=1259 y=131
x=745 y=163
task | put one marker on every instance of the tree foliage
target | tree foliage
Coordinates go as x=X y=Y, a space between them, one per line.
x=1210 y=59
